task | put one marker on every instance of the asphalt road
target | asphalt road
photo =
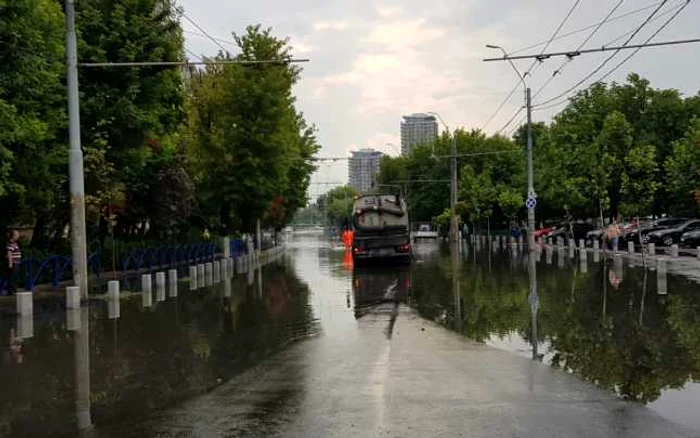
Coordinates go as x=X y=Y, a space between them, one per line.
x=379 y=370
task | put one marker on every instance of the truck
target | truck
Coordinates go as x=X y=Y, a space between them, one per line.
x=381 y=229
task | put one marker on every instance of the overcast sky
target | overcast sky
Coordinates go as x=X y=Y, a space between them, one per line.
x=373 y=61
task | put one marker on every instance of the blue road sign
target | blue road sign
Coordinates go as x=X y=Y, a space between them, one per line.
x=530 y=202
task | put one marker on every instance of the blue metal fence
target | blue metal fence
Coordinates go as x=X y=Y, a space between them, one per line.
x=57 y=268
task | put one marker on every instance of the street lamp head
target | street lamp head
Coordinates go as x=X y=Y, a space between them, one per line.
x=492 y=46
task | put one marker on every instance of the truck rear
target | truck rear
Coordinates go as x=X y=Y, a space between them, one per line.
x=381 y=229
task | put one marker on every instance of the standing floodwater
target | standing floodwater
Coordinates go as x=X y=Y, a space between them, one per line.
x=314 y=346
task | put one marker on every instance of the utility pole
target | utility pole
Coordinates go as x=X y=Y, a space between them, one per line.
x=454 y=226
x=530 y=174
x=77 y=183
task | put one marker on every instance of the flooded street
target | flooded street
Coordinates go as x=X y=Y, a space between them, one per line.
x=454 y=345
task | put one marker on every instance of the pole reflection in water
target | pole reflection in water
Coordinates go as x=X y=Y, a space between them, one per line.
x=260 y=282
x=81 y=349
x=454 y=250
x=533 y=299
x=661 y=280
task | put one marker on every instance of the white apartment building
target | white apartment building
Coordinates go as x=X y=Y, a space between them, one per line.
x=363 y=168
x=417 y=129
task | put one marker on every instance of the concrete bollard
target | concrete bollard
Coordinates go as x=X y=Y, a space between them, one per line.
x=160 y=287
x=581 y=243
x=200 y=276
x=193 y=278
x=209 y=274
x=630 y=247
x=596 y=244
x=223 y=267
x=651 y=248
x=548 y=255
x=25 y=326
x=596 y=256
x=227 y=287
x=73 y=297
x=25 y=303
x=583 y=260
x=231 y=267
x=113 y=303
x=73 y=319
x=146 y=297
x=217 y=271
x=674 y=250
x=560 y=259
x=172 y=283
x=661 y=278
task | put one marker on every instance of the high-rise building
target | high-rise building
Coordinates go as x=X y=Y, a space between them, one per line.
x=363 y=168
x=417 y=129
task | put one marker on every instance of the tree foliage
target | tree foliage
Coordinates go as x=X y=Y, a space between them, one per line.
x=165 y=149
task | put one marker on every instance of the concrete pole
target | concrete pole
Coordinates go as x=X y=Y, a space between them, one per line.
x=454 y=225
x=193 y=277
x=530 y=174
x=113 y=304
x=75 y=160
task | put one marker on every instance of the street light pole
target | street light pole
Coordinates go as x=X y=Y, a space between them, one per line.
x=530 y=169
x=77 y=182
x=454 y=225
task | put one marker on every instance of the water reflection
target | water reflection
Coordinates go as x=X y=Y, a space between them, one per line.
x=116 y=361
x=598 y=322
x=378 y=293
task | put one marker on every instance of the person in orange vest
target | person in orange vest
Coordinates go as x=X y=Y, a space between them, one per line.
x=348 y=237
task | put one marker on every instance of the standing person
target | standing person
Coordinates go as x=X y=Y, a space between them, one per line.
x=465 y=231
x=613 y=235
x=13 y=256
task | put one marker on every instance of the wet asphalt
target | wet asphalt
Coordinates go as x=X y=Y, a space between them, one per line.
x=376 y=368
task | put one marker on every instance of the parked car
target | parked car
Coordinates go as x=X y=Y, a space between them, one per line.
x=691 y=238
x=669 y=236
x=543 y=232
x=651 y=226
x=596 y=234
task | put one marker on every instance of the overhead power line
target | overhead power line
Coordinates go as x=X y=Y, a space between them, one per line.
x=214 y=40
x=186 y=63
x=529 y=70
x=574 y=53
x=604 y=63
x=561 y=67
x=194 y=55
x=221 y=40
x=583 y=29
x=657 y=18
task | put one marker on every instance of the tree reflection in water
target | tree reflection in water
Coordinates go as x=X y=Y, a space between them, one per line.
x=603 y=324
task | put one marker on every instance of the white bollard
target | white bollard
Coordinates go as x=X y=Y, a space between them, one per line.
x=25 y=326
x=581 y=243
x=193 y=278
x=583 y=260
x=209 y=273
x=73 y=297
x=160 y=287
x=73 y=319
x=661 y=279
x=25 y=303
x=217 y=271
x=596 y=244
x=231 y=267
x=113 y=303
x=630 y=247
x=172 y=283
x=674 y=250
x=200 y=276
x=651 y=248
x=146 y=289
x=227 y=287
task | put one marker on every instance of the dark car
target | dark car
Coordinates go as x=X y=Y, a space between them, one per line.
x=669 y=236
x=691 y=238
x=581 y=230
x=655 y=225
x=596 y=234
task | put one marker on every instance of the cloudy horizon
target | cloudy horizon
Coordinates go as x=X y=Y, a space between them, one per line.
x=372 y=62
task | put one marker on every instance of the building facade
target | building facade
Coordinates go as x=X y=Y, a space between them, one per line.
x=363 y=168
x=417 y=129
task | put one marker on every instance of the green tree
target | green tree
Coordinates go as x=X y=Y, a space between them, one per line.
x=33 y=151
x=683 y=173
